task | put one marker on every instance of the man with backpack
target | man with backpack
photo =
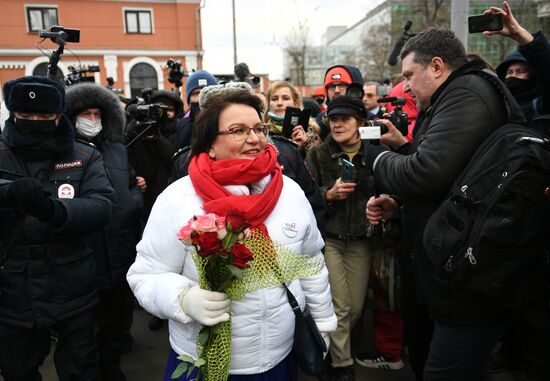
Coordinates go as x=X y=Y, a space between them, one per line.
x=462 y=103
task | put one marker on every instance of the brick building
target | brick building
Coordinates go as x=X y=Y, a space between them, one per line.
x=130 y=41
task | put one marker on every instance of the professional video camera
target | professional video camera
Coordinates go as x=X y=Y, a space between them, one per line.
x=176 y=74
x=375 y=128
x=58 y=35
x=146 y=117
x=79 y=75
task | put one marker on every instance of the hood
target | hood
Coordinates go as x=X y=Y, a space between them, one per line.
x=174 y=97
x=503 y=66
x=88 y=95
x=354 y=73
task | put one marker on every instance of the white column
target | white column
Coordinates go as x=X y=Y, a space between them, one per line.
x=111 y=66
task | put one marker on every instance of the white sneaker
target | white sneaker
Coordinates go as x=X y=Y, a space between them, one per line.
x=379 y=362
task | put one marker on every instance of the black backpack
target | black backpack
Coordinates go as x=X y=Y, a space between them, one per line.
x=491 y=236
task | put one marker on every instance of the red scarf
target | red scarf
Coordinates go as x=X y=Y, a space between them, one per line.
x=209 y=176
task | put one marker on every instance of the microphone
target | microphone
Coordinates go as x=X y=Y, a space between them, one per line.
x=392 y=60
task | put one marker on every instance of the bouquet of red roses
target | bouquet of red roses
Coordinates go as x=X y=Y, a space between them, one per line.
x=221 y=258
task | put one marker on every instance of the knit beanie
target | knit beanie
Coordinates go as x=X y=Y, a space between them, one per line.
x=198 y=80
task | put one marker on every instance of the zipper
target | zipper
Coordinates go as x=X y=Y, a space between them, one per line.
x=474 y=241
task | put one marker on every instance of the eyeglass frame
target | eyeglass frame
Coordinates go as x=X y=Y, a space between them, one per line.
x=230 y=131
x=341 y=85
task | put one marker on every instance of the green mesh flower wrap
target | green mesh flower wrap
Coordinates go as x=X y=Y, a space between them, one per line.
x=273 y=264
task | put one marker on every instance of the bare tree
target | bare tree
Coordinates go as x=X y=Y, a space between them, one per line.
x=374 y=51
x=295 y=46
x=433 y=12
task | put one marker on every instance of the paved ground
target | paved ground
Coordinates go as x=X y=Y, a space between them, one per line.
x=147 y=360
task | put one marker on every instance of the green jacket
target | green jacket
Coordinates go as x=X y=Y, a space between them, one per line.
x=345 y=219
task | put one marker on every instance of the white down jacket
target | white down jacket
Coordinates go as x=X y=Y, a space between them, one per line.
x=262 y=322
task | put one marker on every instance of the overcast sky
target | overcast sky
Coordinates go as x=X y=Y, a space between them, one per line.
x=262 y=26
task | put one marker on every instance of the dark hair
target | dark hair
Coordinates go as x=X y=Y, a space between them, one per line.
x=205 y=127
x=436 y=42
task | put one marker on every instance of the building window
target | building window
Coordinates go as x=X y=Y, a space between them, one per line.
x=138 y=21
x=142 y=76
x=41 y=18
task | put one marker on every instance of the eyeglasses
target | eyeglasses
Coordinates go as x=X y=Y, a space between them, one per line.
x=341 y=86
x=242 y=132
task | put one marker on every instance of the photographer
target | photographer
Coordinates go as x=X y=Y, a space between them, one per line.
x=60 y=193
x=337 y=80
x=461 y=109
x=151 y=142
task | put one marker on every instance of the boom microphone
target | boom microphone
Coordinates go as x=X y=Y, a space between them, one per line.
x=392 y=60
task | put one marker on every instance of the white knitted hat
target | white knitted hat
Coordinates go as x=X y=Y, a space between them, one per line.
x=208 y=91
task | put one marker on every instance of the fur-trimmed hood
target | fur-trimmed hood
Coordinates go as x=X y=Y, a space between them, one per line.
x=88 y=95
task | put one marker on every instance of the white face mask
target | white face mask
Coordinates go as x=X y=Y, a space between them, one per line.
x=88 y=128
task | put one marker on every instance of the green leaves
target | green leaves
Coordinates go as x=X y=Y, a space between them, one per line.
x=235 y=271
x=188 y=365
x=203 y=336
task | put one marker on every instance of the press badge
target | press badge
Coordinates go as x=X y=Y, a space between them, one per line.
x=289 y=229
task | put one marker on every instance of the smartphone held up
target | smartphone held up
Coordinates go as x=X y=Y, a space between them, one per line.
x=481 y=23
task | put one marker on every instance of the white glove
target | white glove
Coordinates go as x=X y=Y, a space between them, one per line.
x=206 y=307
x=326 y=337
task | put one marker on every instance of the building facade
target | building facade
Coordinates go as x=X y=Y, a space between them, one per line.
x=129 y=41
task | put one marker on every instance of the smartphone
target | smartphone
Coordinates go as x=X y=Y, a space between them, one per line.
x=481 y=23
x=347 y=171
x=294 y=117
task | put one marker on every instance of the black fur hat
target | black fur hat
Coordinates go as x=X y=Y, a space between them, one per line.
x=83 y=96
x=34 y=94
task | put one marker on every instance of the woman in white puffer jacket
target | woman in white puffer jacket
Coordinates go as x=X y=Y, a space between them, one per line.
x=164 y=277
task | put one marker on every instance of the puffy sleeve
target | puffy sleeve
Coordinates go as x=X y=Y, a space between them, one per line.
x=164 y=269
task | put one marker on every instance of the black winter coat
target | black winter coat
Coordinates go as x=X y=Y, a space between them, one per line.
x=152 y=160
x=115 y=245
x=463 y=112
x=50 y=274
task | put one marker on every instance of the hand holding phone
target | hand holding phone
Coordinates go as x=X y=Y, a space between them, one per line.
x=294 y=117
x=347 y=173
x=487 y=22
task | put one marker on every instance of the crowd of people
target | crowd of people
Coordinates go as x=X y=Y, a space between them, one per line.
x=94 y=193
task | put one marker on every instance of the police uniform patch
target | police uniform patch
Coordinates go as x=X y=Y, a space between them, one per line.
x=70 y=164
x=65 y=191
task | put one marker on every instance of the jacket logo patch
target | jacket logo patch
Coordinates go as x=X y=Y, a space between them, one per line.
x=71 y=164
x=65 y=191
x=289 y=229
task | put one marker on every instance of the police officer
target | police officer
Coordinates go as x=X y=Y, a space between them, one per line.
x=59 y=194
x=98 y=118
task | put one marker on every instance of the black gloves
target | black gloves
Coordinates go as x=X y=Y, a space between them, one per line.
x=28 y=193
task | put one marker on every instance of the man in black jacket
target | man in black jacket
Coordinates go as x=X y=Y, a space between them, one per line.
x=99 y=119
x=460 y=109
x=59 y=195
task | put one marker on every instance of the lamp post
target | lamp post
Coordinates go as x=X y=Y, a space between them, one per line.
x=234 y=35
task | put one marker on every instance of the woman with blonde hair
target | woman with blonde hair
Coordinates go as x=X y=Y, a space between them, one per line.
x=280 y=95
